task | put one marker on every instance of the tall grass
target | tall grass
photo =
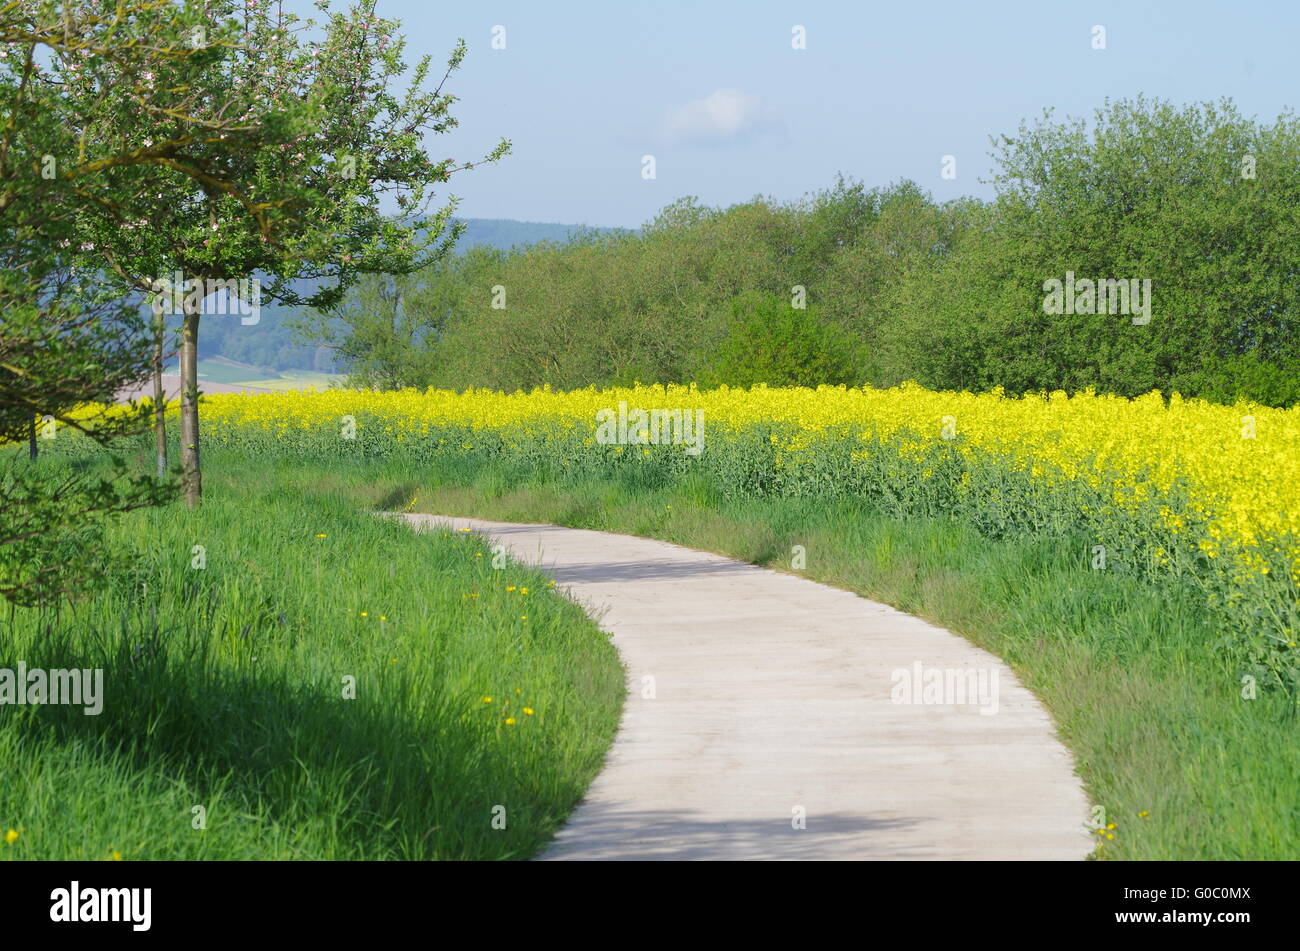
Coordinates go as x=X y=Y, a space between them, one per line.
x=1139 y=674
x=228 y=673
x=1140 y=678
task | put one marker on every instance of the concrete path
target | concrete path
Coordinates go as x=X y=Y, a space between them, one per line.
x=775 y=698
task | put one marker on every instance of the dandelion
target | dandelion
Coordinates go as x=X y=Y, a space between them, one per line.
x=1143 y=814
x=510 y=721
x=528 y=711
x=321 y=535
x=510 y=587
x=11 y=837
x=523 y=590
x=487 y=699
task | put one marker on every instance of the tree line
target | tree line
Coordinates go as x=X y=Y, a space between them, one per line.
x=1198 y=205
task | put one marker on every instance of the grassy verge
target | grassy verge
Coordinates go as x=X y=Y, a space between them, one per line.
x=310 y=683
x=1151 y=708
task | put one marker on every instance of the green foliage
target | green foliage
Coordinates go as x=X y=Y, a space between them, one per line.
x=1149 y=192
x=385 y=334
x=1248 y=377
x=64 y=340
x=618 y=307
x=303 y=130
x=949 y=295
x=53 y=523
x=770 y=341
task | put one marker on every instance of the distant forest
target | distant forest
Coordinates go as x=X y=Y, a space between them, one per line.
x=1156 y=247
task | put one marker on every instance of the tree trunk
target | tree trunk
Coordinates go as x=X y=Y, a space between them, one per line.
x=159 y=396
x=32 y=451
x=191 y=474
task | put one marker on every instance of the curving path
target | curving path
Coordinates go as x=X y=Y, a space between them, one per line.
x=772 y=699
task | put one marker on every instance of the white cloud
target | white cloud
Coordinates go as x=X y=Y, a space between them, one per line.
x=719 y=117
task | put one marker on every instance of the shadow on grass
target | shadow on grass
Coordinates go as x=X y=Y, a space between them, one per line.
x=396 y=496
x=378 y=783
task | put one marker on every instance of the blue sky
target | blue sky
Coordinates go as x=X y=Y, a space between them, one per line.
x=883 y=91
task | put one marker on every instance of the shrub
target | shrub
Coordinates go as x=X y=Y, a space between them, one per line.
x=770 y=341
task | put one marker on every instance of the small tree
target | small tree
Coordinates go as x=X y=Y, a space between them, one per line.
x=65 y=343
x=387 y=330
x=298 y=189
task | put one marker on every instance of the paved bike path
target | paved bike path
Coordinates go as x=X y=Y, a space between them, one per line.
x=776 y=722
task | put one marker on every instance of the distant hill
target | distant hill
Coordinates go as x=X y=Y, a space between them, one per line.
x=506 y=233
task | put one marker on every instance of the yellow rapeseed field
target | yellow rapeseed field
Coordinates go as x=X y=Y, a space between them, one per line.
x=1238 y=466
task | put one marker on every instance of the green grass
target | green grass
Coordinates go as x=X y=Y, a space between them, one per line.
x=294 y=380
x=1149 y=705
x=220 y=371
x=1142 y=682
x=224 y=689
